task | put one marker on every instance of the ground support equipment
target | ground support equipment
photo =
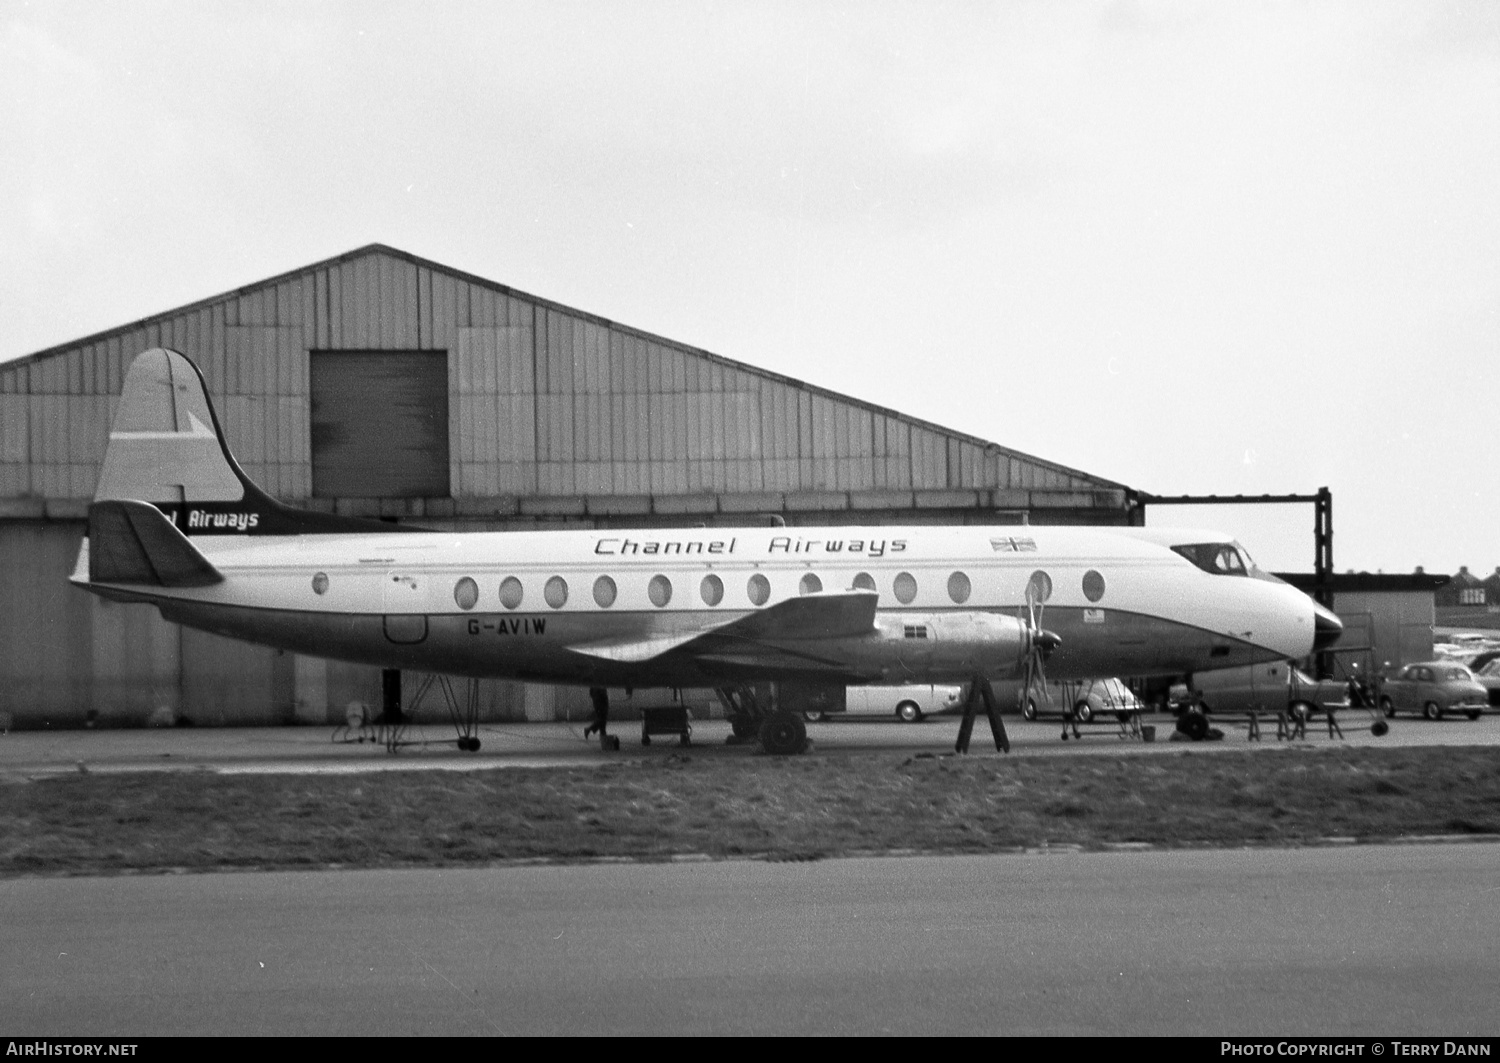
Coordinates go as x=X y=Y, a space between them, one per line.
x=666 y=720
x=1125 y=724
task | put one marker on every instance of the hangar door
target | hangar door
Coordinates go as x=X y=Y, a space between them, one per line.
x=379 y=424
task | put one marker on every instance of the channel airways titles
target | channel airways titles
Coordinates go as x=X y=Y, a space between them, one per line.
x=778 y=544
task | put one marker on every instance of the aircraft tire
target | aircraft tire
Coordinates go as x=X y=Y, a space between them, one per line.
x=744 y=727
x=783 y=734
x=1028 y=711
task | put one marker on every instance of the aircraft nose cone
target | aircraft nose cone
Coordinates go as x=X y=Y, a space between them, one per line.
x=1327 y=628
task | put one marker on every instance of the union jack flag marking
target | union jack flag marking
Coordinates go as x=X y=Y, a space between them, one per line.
x=1010 y=546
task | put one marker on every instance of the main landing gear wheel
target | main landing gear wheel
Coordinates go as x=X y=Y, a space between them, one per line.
x=1380 y=728
x=783 y=734
x=909 y=712
x=468 y=745
x=1029 y=711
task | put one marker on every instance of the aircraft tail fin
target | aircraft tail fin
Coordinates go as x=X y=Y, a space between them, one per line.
x=166 y=447
x=133 y=542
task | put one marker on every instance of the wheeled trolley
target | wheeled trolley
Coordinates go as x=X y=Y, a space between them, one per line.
x=670 y=720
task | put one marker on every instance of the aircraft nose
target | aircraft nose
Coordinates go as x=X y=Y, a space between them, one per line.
x=1327 y=627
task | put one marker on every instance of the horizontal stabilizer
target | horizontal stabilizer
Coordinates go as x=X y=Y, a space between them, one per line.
x=134 y=542
x=812 y=616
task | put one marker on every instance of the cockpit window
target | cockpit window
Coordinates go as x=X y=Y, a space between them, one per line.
x=1218 y=559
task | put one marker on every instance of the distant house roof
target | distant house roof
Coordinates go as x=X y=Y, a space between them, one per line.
x=1367 y=582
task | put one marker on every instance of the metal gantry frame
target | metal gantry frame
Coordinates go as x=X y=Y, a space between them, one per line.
x=1322 y=503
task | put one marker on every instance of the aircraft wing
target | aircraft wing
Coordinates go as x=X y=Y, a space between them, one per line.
x=839 y=614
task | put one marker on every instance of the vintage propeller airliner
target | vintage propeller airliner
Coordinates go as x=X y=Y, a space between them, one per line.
x=176 y=523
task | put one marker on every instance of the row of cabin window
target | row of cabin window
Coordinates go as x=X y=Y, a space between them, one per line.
x=757 y=589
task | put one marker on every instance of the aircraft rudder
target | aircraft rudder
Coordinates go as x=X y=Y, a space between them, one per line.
x=165 y=445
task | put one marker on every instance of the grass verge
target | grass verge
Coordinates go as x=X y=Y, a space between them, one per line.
x=792 y=808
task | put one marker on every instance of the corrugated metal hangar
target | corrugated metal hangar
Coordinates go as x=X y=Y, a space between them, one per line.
x=381 y=384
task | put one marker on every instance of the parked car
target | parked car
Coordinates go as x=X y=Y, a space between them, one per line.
x=1488 y=677
x=912 y=702
x=1083 y=699
x=1271 y=688
x=1482 y=659
x=1433 y=688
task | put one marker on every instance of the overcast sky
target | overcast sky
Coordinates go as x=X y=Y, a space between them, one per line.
x=1217 y=247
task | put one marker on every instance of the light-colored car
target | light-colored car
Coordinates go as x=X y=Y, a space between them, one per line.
x=1083 y=699
x=1433 y=688
x=912 y=702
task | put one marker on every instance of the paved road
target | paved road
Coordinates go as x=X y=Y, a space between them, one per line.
x=1377 y=940
x=33 y=753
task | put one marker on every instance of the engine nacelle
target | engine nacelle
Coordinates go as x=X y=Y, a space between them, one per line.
x=938 y=647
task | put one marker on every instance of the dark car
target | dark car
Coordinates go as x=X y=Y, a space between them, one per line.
x=1488 y=676
x=1274 y=687
x=1433 y=688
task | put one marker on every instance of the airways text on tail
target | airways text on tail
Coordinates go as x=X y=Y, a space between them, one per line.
x=178 y=524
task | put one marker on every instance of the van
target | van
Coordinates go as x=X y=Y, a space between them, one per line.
x=1271 y=688
x=911 y=703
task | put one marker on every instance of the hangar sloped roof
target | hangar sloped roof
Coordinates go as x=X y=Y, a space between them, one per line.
x=549 y=402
